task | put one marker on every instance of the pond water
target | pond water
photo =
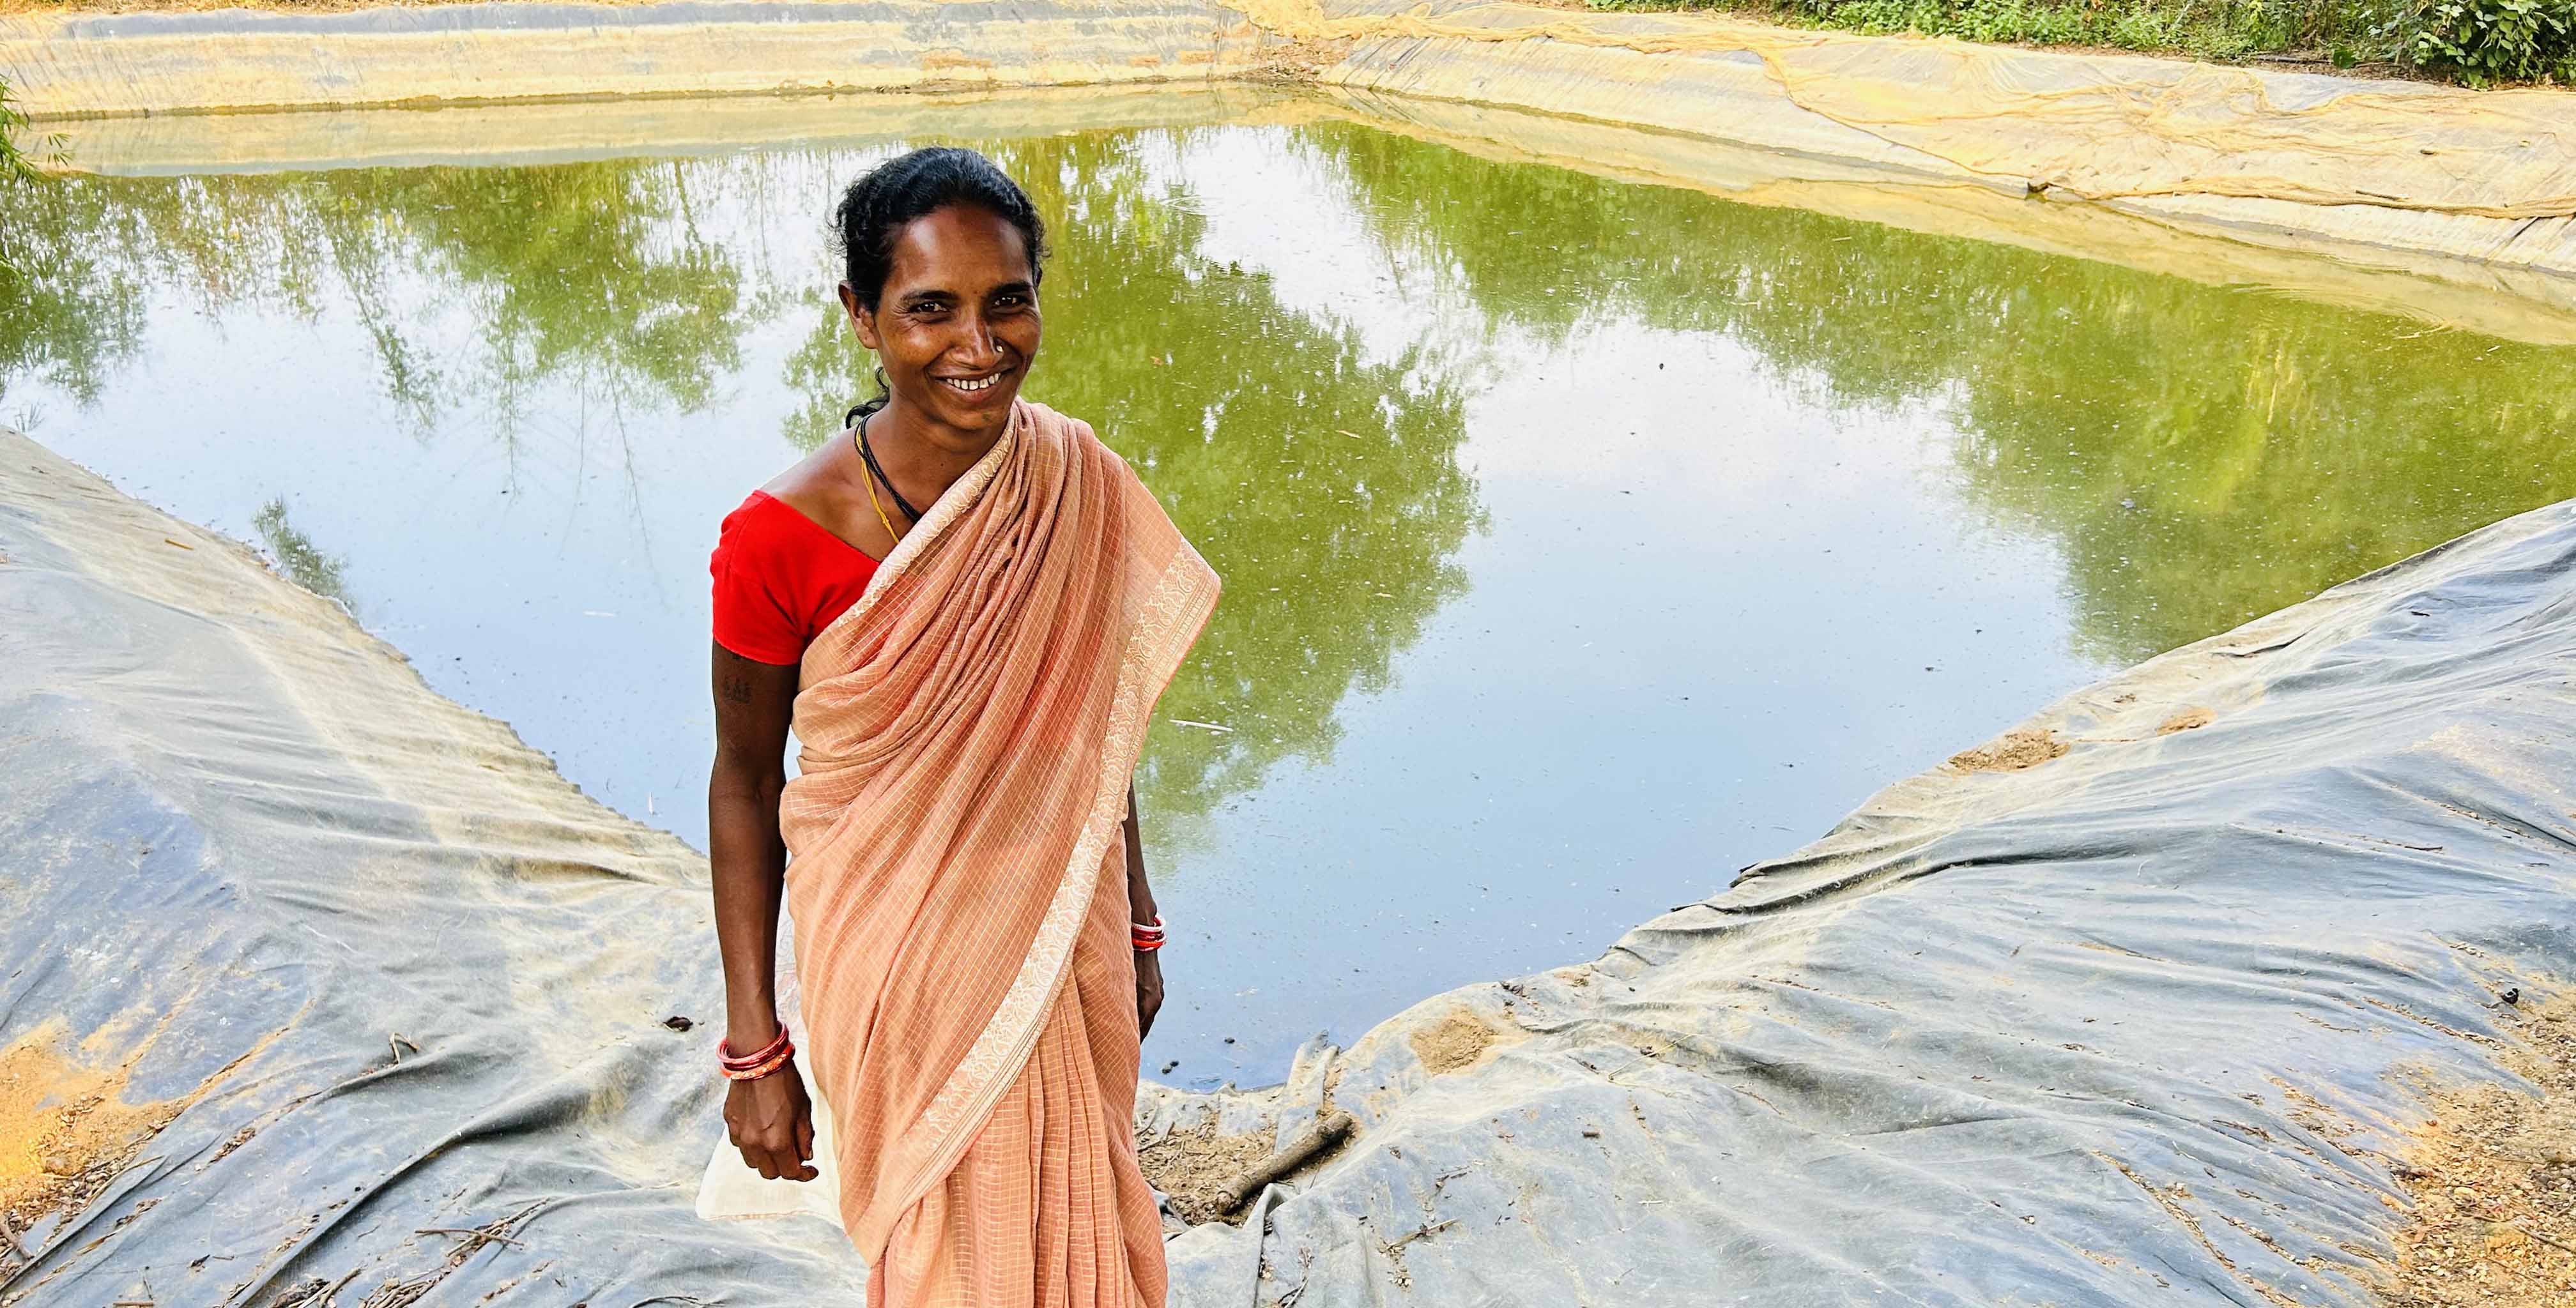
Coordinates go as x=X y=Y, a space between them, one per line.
x=1584 y=540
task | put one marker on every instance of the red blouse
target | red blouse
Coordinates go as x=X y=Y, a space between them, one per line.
x=780 y=578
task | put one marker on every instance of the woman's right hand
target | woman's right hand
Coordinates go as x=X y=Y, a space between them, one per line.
x=772 y=1123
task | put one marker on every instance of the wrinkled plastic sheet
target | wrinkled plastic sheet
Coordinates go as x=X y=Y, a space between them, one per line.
x=387 y=976
x=2140 y=1022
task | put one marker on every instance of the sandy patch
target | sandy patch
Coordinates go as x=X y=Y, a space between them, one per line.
x=1191 y=1164
x=1302 y=59
x=2190 y=719
x=65 y=1132
x=2015 y=751
x=1451 y=1043
x=2492 y=1180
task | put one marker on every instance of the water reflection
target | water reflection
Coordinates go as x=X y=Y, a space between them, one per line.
x=593 y=273
x=1324 y=485
x=304 y=562
x=1601 y=537
x=74 y=311
x=2203 y=454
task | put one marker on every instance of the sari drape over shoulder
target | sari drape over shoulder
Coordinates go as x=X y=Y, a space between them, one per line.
x=957 y=878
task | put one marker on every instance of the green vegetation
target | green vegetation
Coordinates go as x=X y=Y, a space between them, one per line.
x=13 y=161
x=2479 y=42
x=16 y=163
x=2485 y=42
x=2201 y=454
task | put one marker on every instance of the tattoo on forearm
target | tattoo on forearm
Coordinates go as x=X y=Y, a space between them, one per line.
x=737 y=688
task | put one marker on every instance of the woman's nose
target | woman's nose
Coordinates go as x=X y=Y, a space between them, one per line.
x=979 y=345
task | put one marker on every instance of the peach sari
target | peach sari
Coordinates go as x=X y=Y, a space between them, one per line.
x=957 y=878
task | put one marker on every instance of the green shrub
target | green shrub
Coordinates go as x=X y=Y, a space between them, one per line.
x=16 y=163
x=2225 y=29
x=2483 y=42
x=13 y=163
x=2480 y=42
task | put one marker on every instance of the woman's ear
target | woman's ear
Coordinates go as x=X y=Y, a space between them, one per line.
x=862 y=319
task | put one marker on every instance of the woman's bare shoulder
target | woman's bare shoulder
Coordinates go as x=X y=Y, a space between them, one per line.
x=808 y=477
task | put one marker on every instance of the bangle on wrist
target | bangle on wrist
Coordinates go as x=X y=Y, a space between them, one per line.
x=762 y=1062
x=1146 y=936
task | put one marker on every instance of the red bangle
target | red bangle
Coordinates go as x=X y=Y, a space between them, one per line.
x=1146 y=936
x=726 y=1057
x=764 y=1068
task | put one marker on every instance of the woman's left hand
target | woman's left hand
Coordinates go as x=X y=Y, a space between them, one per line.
x=1149 y=989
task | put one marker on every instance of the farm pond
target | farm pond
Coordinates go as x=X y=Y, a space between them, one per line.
x=1584 y=539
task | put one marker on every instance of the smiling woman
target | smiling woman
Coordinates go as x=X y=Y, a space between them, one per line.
x=968 y=684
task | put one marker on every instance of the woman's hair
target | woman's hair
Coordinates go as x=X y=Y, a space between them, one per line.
x=887 y=198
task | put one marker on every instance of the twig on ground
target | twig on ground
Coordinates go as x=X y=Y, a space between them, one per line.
x=1321 y=1136
x=2547 y=1240
x=1434 y=1229
x=471 y=1233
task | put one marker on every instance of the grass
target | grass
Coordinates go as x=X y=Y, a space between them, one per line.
x=2478 y=42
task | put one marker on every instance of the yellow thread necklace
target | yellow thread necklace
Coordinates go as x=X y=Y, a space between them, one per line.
x=859 y=437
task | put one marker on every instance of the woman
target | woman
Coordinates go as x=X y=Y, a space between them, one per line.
x=969 y=682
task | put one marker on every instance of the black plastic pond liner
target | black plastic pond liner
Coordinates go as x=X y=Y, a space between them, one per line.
x=2135 y=1022
x=238 y=833
x=2129 y=1007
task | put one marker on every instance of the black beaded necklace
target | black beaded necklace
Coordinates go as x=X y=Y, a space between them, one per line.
x=859 y=437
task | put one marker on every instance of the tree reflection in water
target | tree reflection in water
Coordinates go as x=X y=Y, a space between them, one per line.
x=590 y=272
x=1325 y=487
x=2202 y=454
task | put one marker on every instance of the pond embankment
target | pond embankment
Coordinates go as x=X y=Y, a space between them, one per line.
x=231 y=60
x=2476 y=189
x=2371 y=171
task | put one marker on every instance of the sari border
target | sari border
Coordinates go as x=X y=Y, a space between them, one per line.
x=1166 y=626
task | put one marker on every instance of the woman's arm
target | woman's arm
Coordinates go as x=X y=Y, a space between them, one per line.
x=771 y=1120
x=1140 y=908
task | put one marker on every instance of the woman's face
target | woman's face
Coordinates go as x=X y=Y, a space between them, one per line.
x=957 y=324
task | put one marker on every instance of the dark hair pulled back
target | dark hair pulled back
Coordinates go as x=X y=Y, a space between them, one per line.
x=887 y=198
